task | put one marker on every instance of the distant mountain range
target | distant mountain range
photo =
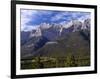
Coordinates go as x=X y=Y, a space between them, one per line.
x=56 y=39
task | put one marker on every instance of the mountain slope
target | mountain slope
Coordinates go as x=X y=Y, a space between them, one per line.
x=57 y=40
x=75 y=43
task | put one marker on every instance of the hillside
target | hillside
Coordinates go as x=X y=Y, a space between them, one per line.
x=76 y=43
x=56 y=40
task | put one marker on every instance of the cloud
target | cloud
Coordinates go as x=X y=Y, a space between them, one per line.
x=81 y=15
x=70 y=16
x=30 y=16
x=26 y=16
x=45 y=12
x=64 y=16
x=29 y=28
x=59 y=16
x=82 y=18
x=31 y=19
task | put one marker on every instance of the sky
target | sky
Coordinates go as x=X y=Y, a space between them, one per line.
x=33 y=18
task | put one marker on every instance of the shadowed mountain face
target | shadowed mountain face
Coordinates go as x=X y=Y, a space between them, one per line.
x=76 y=43
x=57 y=40
x=24 y=37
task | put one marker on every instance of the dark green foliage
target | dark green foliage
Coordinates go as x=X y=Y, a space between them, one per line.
x=49 y=62
x=39 y=64
x=70 y=61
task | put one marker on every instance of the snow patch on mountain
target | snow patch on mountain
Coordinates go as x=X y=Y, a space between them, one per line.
x=36 y=33
x=51 y=42
x=74 y=25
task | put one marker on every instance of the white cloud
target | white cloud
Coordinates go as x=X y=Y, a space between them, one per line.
x=44 y=12
x=84 y=17
x=70 y=16
x=32 y=15
x=65 y=15
x=59 y=16
x=29 y=27
x=26 y=16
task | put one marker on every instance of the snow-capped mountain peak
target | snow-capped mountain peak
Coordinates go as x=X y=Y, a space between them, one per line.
x=36 y=33
x=86 y=24
x=44 y=26
x=77 y=25
x=57 y=29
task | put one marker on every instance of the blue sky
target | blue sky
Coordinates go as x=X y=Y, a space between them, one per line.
x=32 y=18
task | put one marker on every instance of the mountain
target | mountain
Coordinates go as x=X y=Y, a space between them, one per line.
x=76 y=43
x=32 y=45
x=56 y=39
x=52 y=31
x=86 y=24
x=24 y=37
